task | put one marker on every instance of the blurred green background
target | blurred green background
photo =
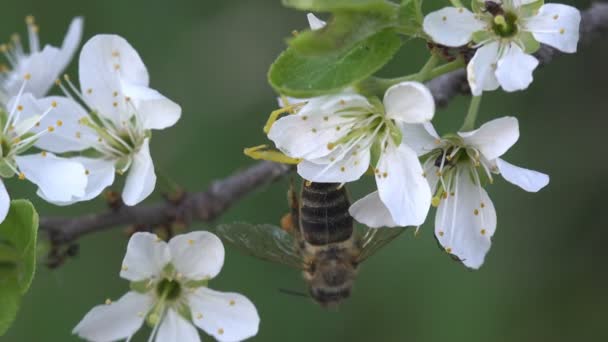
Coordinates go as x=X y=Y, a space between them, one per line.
x=545 y=278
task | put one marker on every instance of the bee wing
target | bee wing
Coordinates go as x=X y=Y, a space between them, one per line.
x=263 y=241
x=374 y=239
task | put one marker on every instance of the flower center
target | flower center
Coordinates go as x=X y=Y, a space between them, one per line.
x=170 y=289
x=505 y=24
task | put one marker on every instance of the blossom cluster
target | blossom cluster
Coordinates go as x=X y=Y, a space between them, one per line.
x=341 y=137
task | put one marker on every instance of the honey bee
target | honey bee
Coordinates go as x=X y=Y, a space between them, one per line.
x=494 y=8
x=322 y=241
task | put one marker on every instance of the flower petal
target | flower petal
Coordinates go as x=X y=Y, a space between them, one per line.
x=409 y=102
x=226 y=316
x=58 y=179
x=146 y=257
x=347 y=167
x=370 y=211
x=514 y=69
x=493 y=138
x=115 y=321
x=69 y=135
x=481 y=68
x=105 y=61
x=402 y=186
x=422 y=138
x=42 y=68
x=70 y=43
x=465 y=222
x=175 y=328
x=556 y=25
x=141 y=178
x=5 y=201
x=100 y=174
x=156 y=111
x=307 y=136
x=529 y=180
x=314 y=22
x=452 y=26
x=197 y=255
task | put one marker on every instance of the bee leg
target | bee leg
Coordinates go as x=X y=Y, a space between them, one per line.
x=262 y=152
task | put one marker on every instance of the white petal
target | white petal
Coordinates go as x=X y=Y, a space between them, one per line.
x=347 y=167
x=556 y=25
x=226 y=316
x=481 y=68
x=514 y=69
x=5 y=201
x=307 y=136
x=116 y=321
x=71 y=135
x=314 y=22
x=156 y=111
x=402 y=186
x=452 y=26
x=409 y=102
x=422 y=138
x=529 y=180
x=197 y=255
x=106 y=61
x=100 y=175
x=175 y=328
x=463 y=226
x=141 y=178
x=146 y=257
x=71 y=42
x=372 y=212
x=58 y=179
x=43 y=70
x=493 y=138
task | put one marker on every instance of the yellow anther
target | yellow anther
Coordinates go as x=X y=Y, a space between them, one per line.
x=449 y=250
x=115 y=54
x=54 y=104
x=435 y=201
x=116 y=66
x=220 y=331
x=476 y=212
x=87 y=172
x=562 y=31
x=326 y=118
x=66 y=77
x=342 y=169
x=59 y=123
x=295 y=33
x=460 y=10
x=232 y=302
x=199 y=316
x=385 y=174
x=21 y=176
x=89 y=91
x=43 y=153
x=330 y=146
x=16 y=140
x=115 y=94
x=483 y=205
x=314 y=130
x=483 y=232
x=441 y=233
x=342 y=102
x=115 y=104
x=337 y=128
x=51 y=128
x=30 y=20
x=190 y=242
x=304 y=117
x=555 y=17
x=125 y=268
x=108 y=301
x=78 y=135
x=20 y=108
x=444 y=18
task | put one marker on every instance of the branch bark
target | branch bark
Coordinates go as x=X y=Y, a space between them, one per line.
x=222 y=194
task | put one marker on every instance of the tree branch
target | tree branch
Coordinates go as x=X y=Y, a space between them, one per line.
x=222 y=194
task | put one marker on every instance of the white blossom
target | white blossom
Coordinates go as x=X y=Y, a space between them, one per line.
x=43 y=65
x=339 y=137
x=505 y=34
x=170 y=293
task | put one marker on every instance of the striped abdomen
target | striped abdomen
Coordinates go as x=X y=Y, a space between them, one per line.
x=324 y=216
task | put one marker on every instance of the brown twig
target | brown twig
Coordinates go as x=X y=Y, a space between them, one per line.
x=222 y=194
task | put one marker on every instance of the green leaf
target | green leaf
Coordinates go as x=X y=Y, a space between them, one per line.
x=297 y=75
x=340 y=5
x=342 y=32
x=410 y=17
x=18 y=235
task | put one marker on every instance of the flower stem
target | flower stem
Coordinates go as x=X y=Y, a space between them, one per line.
x=469 y=120
x=377 y=85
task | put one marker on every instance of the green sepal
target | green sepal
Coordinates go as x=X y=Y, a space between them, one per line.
x=183 y=310
x=340 y=5
x=18 y=233
x=375 y=153
x=410 y=17
x=477 y=6
x=531 y=9
x=342 y=32
x=141 y=286
x=530 y=44
x=5 y=168
x=482 y=36
x=294 y=74
x=394 y=132
x=122 y=164
x=193 y=284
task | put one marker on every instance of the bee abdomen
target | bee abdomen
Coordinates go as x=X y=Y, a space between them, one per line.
x=324 y=216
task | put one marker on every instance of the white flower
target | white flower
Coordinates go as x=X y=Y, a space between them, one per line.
x=42 y=65
x=505 y=34
x=121 y=112
x=58 y=179
x=169 y=291
x=338 y=137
